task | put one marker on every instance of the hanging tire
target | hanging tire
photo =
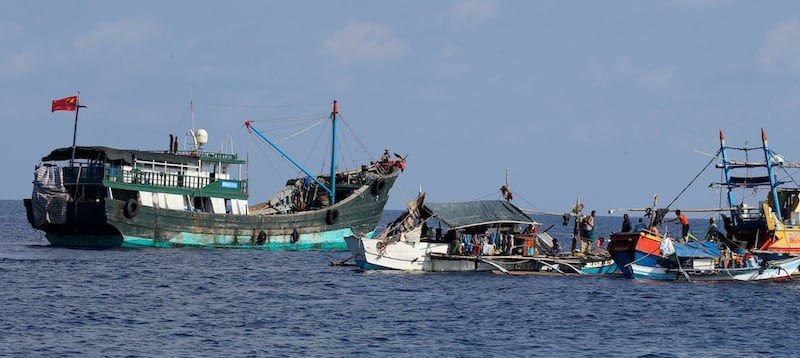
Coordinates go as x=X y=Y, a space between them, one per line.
x=262 y=238
x=131 y=208
x=332 y=216
x=295 y=236
x=378 y=186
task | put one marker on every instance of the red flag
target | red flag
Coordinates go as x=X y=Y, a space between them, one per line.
x=65 y=104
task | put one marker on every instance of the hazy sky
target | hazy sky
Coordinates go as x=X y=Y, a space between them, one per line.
x=612 y=101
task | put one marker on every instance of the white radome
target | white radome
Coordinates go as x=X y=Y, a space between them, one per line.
x=201 y=136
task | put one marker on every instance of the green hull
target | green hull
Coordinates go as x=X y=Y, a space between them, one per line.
x=107 y=224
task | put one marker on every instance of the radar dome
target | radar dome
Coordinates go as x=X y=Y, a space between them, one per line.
x=201 y=136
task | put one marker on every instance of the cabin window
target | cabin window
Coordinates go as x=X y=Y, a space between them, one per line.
x=202 y=204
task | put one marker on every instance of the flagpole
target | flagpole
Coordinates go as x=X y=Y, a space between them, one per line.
x=75 y=130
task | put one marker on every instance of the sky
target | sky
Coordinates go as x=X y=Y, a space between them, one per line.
x=609 y=102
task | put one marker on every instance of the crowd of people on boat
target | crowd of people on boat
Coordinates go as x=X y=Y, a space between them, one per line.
x=493 y=243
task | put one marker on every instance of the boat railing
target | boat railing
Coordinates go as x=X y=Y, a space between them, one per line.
x=169 y=180
x=200 y=154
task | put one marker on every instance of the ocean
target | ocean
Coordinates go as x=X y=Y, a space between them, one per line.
x=213 y=303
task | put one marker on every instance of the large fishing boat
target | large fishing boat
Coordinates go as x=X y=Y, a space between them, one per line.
x=771 y=225
x=101 y=197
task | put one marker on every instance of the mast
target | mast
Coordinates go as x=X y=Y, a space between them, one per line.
x=508 y=186
x=653 y=212
x=726 y=171
x=191 y=112
x=772 y=183
x=334 y=114
x=75 y=129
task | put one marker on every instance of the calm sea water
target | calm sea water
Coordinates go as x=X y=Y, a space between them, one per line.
x=213 y=303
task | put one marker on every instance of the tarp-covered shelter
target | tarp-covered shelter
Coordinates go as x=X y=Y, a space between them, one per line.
x=472 y=213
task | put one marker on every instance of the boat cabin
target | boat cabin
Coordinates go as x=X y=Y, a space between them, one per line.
x=176 y=180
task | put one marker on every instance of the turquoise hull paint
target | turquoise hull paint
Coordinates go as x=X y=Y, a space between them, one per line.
x=600 y=270
x=324 y=241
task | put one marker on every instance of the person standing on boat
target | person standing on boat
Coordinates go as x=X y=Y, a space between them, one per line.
x=684 y=223
x=726 y=256
x=626 y=223
x=385 y=158
x=712 y=233
x=587 y=236
x=506 y=193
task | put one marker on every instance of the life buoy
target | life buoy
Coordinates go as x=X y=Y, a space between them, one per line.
x=380 y=245
x=295 y=236
x=131 y=208
x=378 y=186
x=332 y=216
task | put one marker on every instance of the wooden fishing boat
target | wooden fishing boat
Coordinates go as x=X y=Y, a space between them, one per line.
x=773 y=224
x=468 y=236
x=646 y=254
x=642 y=256
x=101 y=197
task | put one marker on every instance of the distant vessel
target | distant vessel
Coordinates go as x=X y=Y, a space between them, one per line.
x=101 y=197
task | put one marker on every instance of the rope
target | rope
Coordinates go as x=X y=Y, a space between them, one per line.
x=363 y=147
x=695 y=178
x=299 y=132
x=262 y=106
x=637 y=260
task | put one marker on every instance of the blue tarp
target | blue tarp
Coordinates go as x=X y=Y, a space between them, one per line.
x=696 y=249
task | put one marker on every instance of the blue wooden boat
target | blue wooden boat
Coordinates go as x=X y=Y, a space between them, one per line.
x=648 y=255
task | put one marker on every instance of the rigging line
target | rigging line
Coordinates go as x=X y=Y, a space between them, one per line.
x=344 y=146
x=266 y=152
x=402 y=194
x=526 y=201
x=292 y=118
x=484 y=196
x=261 y=105
x=185 y=115
x=363 y=147
x=299 y=132
x=744 y=149
x=790 y=176
x=324 y=129
x=262 y=149
x=695 y=178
